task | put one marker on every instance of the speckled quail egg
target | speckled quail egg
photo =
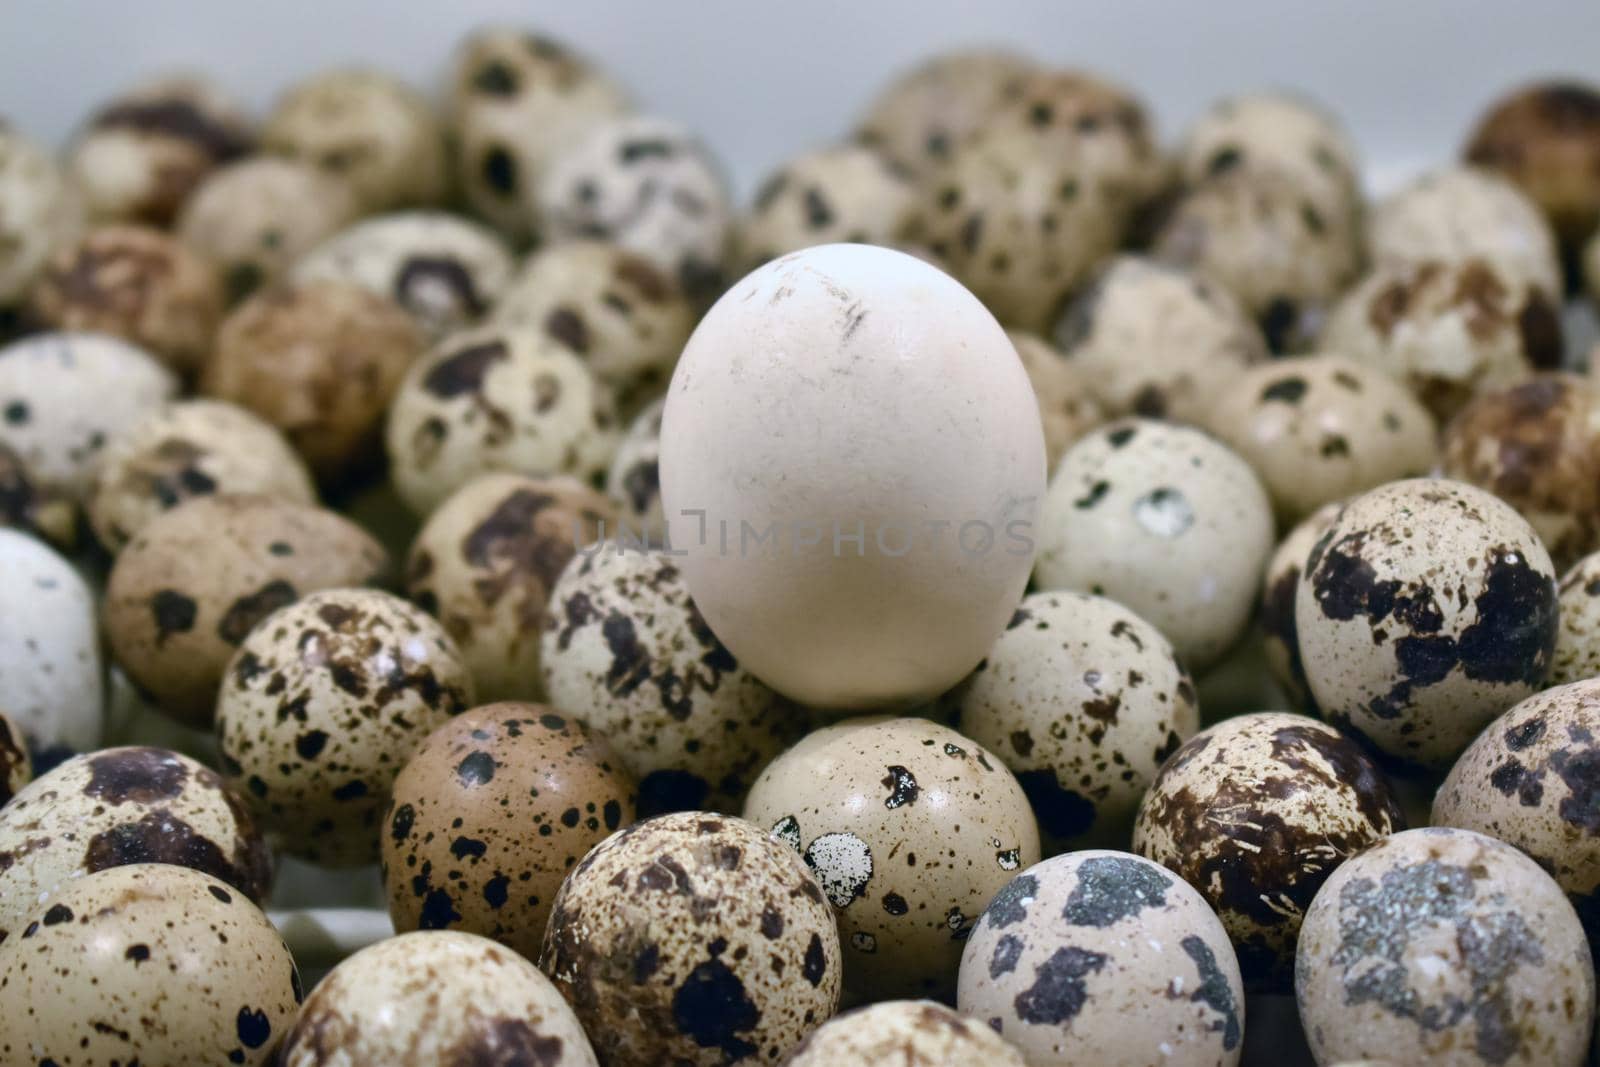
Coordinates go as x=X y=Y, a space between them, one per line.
x=1165 y=520
x=193 y=448
x=367 y=127
x=65 y=396
x=51 y=678
x=485 y=564
x=1447 y=330
x=31 y=507
x=41 y=210
x=1279 y=640
x=254 y=218
x=911 y=1033
x=141 y=155
x=911 y=828
x=192 y=584
x=693 y=938
x=649 y=185
x=1577 y=654
x=1067 y=407
x=1255 y=813
x=489 y=815
x=1154 y=340
x=1465 y=213
x=1443 y=946
x=148 y=963
x=1426 y=609
x=626 y=648
x=1536 y=445
x=16 y=766
x=1083 y=700
x=1102 y=957
x=497 y=398
x=445 y=270
x=437 y=997
x=516 y=99
x=634 y=480
x=321 y=362
x=842 y=193
x=1322 y=428
x=323 y=704
x=121 y=806
x=136 y=283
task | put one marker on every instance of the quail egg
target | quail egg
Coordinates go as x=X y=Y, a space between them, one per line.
x=634 y=481
x=913 y=1033
x=51 y=678
x=41 y=210
x=843 y=193
x=31 y=507
x=1577 y=654
x=16 y=766
x=1280 y=642
x=1067 y=408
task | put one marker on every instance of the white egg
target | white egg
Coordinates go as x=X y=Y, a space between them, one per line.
x=51 y=680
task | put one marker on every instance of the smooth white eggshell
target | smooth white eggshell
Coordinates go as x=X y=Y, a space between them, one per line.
x=51 y=679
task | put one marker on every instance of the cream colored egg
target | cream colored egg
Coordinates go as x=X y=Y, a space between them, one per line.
x=634 y=481
x=1067 y=407
x=1279 y=640
x=41 y=210
x=909 y=1033
x=52 y=679
x=843 y=193
x=1577 y=654
x=1275 y=131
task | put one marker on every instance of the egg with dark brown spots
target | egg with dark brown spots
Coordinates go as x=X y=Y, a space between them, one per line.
x=1103 y=957
x=16 y=766
x=322 y=705
x=122 y=806
x=489 y=815
x=1577 y=654
x=1279 y=639
x=843 y=193
x=634 y=480
x=436 y=997
x=1255 y=813
x=909 y=1033
x=910 y=828
x=1426 y=609
x=694 y=938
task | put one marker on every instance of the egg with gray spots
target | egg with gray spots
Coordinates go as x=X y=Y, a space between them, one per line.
x=1083 y=700
x=16 y=766
x=634 y=481
x=1103 y=957
x=436 y=997
x=913 y=1033
x=693 y=938
x=1280 y=642
x=1444 y=946
x=1426 y=609
x=1577 y=654
x=52 y=679
x=910 y=828
x=41 y=209
x=322 y=705
x=842 y=193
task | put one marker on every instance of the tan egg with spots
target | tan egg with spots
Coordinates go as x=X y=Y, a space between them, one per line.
x=626 y=649
x=627 y=318
x=122 y=806
x=1067 y=408
x=1165 y=520
x=693 y=938
x=16 y=767
x=842 y=193
x=485 y=563
x=186 y=591
x=914 y=1033
x=1321 y=428
x=1577 y=654
x=436 y=997
x=1279 y=640
x=489 y=815
x=52 y=676
x=31 y=507
x=193 y=448
x=1426 y=609
x=1083 y=700
x=634 y=480
x=1255 y=813
x=1150 y=339
x=147 y=964
x=322 y=705
x=367 y=127
x=41 y=209
x=1103 y=957
x=910 y=828
x=498 y=398
x=1444 y=946
x=321 y=362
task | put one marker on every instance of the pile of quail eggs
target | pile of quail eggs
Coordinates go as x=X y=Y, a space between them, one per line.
x=1001 y=596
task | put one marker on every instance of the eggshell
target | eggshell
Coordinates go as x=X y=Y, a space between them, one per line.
x=634 y=480
x=41 y=209
x=1545 y=137
x=1577 y=654
x=52 y=681
x=914 y=1033
x=1067 y=407
x=32 y=508
x=1275 y=131
x=1280 y=640
x=843 y=193
x=15 y=763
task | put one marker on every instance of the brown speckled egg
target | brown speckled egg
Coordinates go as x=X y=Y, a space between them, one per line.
x=1443 y=946
x=693 y=938
x=121 y=806
x=491 y=812
x=146 y=964
x=1426 y=609
x=911 y=828
x=320 y=362
x=28 y=505
x=842 y=193
x=1166 y=520
x=1321 y=428
x=1150 y=339
x=484 y=566
x=1536 y=445
x=1102 y=957
x=184 y=593
x=16 y=768
x=194 y=448
x=136 y=283
x=1067 y=407
x=1577 y=654
x=1255 y=813
x=909 y=1033
x=41 y=209
x=634 y=481
x=1083 y=700
x=626 y=649
x=433 y=998
x=323 y=704
x=1280 y=642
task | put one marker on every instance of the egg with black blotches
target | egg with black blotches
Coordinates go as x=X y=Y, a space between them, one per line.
x=1280 y=642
